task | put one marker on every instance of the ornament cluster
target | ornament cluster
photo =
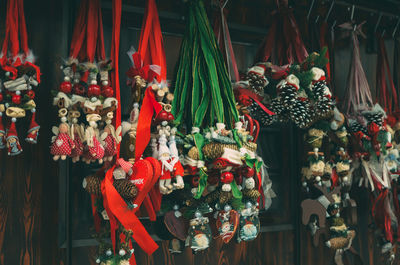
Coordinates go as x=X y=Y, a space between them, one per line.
x=19 y=80
x=86 y=109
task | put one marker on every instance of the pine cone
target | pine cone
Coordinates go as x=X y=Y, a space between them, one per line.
x=126 y=189
x=259 y=114
x=300 y=112
x=257 y=82
x=318 y=89
x=93 y=185
x=288 y=95
x=225 y=197
x=194 y=153
x=252 y=194
x=212 y=197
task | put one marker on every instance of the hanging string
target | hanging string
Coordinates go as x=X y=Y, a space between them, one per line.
x=221 y=32
x=358 y=93
x=283 y=43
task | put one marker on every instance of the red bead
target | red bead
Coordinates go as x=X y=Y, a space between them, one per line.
x=107 y=91
x=249 y=172
x=226 y=177
x=195 y=181
x=162 y=116
x=79 y=89
x=16 y=99
x=94 y=90
x=1 y=97
x=31 y=94
x=65 y=87
x=170 y=117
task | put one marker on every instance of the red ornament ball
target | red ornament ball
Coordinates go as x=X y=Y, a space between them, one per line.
x=30 y=94
x=94 y=90
x=16 y=99
x=162 y=116
x=248 y=172
x=65 y=87
x=107 y=91
x=226 y=177
x=170 y=117
x=79 y=89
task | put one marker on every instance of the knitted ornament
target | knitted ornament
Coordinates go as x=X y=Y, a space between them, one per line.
x=13 y=145
x=126 y=189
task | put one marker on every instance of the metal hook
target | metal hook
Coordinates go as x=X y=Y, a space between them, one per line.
x=309 y=10
x=352 y=12
x=316 y=20
x=329 y=10
x=395 y=28
x=378 y=22
x=383 y=33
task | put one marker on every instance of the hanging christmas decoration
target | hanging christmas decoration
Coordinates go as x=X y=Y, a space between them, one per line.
x=86 y=109
x=20 y=77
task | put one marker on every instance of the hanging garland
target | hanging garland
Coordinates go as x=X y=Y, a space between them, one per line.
x=20 y=76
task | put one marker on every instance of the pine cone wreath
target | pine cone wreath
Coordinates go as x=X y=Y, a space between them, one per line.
x=126 y=189
x=92 y=184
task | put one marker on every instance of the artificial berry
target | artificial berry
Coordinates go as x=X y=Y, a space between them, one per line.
x=170 y=117
x=226 y=177
x=248 y=172
x=31 y=94
x=107 y=91
x=195 y=181
x=94 y=90
x=79 y=89
x=65 y=87
x=16 y=99
x=162 y=116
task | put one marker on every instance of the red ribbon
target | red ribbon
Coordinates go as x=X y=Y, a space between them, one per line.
x=149 y=107
x=256 y=98
x=151 y=45
x=147 y=72
x=127 y=217
x=383 y=74
x=323 y=43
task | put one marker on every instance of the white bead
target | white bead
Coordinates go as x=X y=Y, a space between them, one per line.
x=318 y=178
x=132 y=250
x=198 y=214
x=93 y=82
x=18 y=93
x=63 y=119
x=248 y=205
x=14 y=119
x=227 y=208
x=84 y=183
x=304 y=184
x=175 y=207
x=33 y=110
x=345 y=179
x=93 y=99
x=75 y=120
x=122 y=252
x=109 y=252
x=67 y=79
x=7 y=74
x=105 y=83
x=98 y=261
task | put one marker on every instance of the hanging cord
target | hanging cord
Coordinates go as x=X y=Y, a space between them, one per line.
x=386 y=98
x=221 y=32
x=358 y=92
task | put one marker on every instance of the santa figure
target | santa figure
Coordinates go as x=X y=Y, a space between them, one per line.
x=33 y=131
x=13 y=145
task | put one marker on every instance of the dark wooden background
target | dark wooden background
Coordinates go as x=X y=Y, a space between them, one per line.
x=29 y=183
